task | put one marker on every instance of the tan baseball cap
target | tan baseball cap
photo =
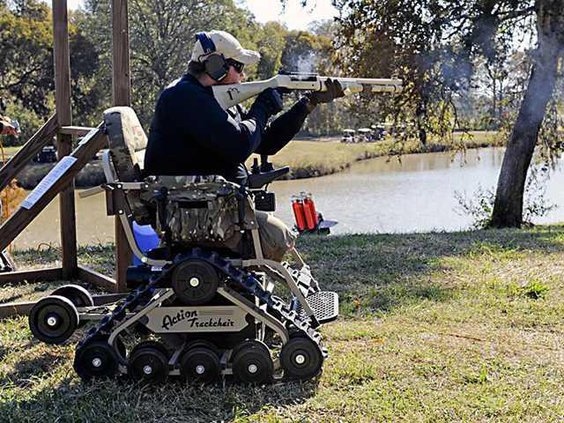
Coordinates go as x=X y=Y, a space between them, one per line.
x=226 y=44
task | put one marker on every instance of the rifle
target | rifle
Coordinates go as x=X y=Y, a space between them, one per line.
x=229 y=95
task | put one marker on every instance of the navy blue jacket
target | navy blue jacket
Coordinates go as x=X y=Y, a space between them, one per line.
x=192 y=135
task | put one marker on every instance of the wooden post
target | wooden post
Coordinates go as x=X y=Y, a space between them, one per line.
x=121 y=91
x=64 y=142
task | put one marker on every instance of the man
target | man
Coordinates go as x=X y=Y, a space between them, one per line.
x=192 y=135
x=6 y=125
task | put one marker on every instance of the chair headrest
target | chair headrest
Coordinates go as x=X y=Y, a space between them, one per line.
x=127 y=141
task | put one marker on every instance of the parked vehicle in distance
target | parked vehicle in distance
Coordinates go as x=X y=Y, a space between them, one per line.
x=364 y=135
x=378 y=131
x=48 y=154
x=348 y=136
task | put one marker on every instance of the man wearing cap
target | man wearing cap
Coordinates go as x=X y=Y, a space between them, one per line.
x=192 y=135
x=7 y=126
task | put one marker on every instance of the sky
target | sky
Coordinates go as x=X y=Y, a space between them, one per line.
x=294 y=17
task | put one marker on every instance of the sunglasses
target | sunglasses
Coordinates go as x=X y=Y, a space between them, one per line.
x=238 y=66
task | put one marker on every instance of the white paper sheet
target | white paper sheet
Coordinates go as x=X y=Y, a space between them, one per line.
x=48 y=181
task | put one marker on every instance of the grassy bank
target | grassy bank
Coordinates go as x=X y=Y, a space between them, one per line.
x=10 y=151
x=313 y=158
x=306 y=159
x=435 y=327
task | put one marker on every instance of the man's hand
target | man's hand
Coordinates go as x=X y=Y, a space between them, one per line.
x=334 y=90
x=6 y=127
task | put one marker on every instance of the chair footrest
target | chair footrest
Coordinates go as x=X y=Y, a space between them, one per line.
x=325 y=306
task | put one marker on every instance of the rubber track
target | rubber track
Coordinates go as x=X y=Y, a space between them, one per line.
x=142 y=296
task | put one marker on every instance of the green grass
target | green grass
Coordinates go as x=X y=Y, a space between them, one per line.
x=435 y=327
x=10 y=151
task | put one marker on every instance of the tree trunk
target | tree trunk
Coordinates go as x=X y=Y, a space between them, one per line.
x=421 y=116
x=508 y=206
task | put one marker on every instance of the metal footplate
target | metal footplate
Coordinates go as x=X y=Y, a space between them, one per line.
x=325 y=305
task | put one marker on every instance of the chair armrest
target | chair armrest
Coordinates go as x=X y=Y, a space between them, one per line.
x=91 y=191
x=258 y=180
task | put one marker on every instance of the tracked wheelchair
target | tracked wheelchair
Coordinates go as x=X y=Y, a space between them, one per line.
x=202 y=304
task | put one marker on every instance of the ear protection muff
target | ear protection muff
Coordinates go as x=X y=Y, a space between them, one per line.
x=214 y=63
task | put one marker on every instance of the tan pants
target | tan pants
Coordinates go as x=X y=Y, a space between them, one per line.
x=275 y=237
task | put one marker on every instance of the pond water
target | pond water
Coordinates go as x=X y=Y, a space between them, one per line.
x=416 y=194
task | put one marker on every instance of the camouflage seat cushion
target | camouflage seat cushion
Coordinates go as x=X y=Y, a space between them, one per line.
x=127 y=142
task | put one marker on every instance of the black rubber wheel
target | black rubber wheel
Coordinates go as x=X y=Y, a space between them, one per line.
x=79 y=296
x=202 y=343
x=247 y=342
x=119 y=347
x=95 y=359
x=153 y=344
x=148 y=363
x=252 y=363
x=194 y=282
x=301 y=359
x=53 y=319
x=200 y=364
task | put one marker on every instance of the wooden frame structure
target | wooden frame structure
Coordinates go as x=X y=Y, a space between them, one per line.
x=60 y=125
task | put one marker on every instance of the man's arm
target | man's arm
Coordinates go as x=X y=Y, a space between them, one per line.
x=282 y=129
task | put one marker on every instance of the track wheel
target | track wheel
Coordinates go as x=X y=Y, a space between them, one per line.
x=200 y=364
x=202 y=343
x=300 y=358
x=53 y=319
x=252 y=363
x=79 y=296
x=148 y=362
x=95 y=359
x=194 y=282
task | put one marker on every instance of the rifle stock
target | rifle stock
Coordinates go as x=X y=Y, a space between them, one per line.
x=229 y=95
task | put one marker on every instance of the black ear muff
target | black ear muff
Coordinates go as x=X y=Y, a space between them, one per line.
x=216 y=66
x=214 y=63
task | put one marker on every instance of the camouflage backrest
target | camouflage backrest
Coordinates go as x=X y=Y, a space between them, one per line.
x=127 y=142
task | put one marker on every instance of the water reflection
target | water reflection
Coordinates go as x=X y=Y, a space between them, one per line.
x=412 y=194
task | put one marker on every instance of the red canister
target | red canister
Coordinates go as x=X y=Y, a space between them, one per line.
x=299 y=216
x=310 y=213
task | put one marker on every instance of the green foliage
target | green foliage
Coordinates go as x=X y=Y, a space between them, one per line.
x=26 y=68
x=480 y=204
x=534 y=290
x=302 y=52
x=161 y=39
x=434 y=46
x=29 y=121
x=271 y=44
